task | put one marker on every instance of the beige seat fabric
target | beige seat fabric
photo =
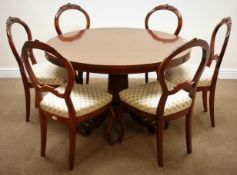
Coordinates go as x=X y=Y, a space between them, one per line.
x=48 y=73
x=186 y=72
x=146 y=98
x=85 y=100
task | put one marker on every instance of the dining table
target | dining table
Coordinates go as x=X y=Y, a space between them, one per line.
x=117 y=52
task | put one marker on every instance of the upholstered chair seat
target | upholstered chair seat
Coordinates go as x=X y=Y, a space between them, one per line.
x=85 y=100
x=48 y=73
x=147 y=96
x=186 y=72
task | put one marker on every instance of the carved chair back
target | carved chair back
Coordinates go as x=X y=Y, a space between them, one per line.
x=168 y=8
x=69 y=7
x=10 y=22
x=41 y=88
x=190 y=86
x=219 y=56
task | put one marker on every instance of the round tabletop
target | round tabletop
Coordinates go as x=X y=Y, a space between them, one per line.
x=117 y=50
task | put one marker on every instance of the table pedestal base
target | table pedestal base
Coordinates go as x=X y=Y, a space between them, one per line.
x=87 y=127
x=116 y=84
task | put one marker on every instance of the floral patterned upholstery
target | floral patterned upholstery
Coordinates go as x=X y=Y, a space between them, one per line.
x=146 y=98
x=85 y=100
x=186 y=72
x=48 y=73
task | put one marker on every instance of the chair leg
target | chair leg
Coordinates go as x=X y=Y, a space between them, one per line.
x=120 y=118
x=188 y=132
x=109 y=126
x=87 y=77
x=43 y=128
x=72 y=145
x=204 y=100
x=211 y=105
x=159 y=140
x=27 y=101
x=146 y=77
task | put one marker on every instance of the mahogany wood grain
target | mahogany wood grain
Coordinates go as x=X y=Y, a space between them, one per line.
x=117 y=51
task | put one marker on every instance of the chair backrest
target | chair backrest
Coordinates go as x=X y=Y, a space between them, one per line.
x=169 y=8
x=9 y=24
x=219 y=56
x=39 y=87
x=190 y=86
x=69 y=7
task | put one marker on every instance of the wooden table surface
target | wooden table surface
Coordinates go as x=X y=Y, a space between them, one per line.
x=117 y=50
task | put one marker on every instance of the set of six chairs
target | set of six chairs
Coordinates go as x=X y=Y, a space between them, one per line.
x=170 y=97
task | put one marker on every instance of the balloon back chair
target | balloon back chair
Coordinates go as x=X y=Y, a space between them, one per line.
x=52 y=74
x=69 y=103
x=209 y=77
x=162 y=101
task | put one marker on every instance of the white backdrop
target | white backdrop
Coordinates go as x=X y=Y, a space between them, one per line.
x=199 y=17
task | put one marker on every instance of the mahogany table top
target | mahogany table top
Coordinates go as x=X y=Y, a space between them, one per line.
x=117 y=50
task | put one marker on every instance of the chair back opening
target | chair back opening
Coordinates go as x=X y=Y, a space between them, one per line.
x=67 y=7
x=166 y=7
